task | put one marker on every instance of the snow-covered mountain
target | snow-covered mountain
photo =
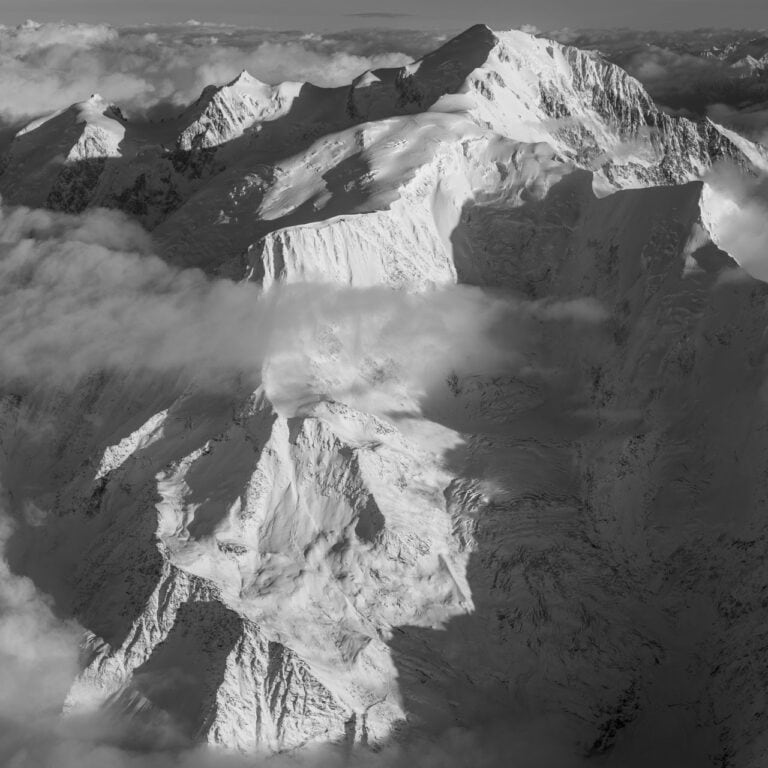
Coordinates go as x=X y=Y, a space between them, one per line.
x=571 y=540
x=524 y=88
x=222 y=114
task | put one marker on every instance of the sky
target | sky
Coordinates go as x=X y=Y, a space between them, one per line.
x=447 y=14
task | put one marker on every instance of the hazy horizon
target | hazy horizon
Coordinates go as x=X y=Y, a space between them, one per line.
x=426 y=14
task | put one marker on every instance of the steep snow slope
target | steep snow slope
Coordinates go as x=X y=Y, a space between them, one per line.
x=375 y=204
x=272 y=553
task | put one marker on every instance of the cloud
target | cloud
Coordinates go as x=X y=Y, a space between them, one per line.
x=79 y=294
x=38 y=657
x=46 y=67
x=85 y=293
x=736 y=212
x=34 y=645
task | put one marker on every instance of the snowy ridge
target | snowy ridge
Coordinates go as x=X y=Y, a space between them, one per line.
x=536 y=90
x=96 y=127
x=182 y=632
x=420 y=174
x=225 y=113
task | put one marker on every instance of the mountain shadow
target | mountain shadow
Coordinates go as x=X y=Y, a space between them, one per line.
x=613 y=468
x=175 y=689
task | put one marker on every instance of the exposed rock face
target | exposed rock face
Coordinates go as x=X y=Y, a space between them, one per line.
x=577 y=539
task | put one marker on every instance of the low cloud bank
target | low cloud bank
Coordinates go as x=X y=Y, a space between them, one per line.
x=34 y=645
x=84 y=293
x=38 y=659
x=46 y=67
x=736 y=211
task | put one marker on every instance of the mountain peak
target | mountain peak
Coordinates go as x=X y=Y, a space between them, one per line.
x=245 y=78
x=467 y=45
x=97 y=111
x=477 y=31
x=224 y=112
